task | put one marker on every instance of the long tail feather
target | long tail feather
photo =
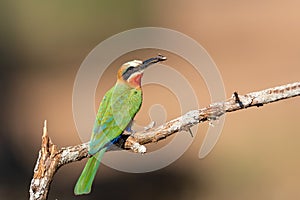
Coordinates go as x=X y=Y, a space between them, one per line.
x=85 y=181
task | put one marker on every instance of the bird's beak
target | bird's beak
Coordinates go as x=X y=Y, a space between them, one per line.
x=151 y=61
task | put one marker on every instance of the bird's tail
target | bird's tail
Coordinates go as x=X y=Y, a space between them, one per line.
x=85 y=181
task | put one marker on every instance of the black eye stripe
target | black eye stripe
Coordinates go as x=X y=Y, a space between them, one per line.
x=130 y=70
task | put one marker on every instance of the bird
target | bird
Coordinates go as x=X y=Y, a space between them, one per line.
x=115 y=114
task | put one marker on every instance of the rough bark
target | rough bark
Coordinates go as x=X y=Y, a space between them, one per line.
x=51 y=158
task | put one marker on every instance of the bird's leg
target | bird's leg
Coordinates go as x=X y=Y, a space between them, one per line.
x=128 y=130
x=136 y=147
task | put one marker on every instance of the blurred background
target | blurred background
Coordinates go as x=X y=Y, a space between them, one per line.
x=255 y=45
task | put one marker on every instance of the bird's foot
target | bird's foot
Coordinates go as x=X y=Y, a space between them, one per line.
x=128 y=130
x=131 y=132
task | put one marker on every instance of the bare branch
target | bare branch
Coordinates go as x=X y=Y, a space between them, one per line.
x=51 y=158
x=45 y=168
x=214 y=111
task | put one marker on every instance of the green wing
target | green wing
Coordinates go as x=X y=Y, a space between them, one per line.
x=117 y=109
x=121 y=104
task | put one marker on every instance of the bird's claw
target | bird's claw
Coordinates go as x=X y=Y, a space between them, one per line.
x=129 y=132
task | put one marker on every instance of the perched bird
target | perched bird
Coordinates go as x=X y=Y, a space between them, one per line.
x=116 y=112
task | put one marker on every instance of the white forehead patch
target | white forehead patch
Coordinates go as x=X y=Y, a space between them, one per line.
x=134 y=63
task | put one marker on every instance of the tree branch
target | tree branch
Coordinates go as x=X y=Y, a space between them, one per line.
x=51 y=158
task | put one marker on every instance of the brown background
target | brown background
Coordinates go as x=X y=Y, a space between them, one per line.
x=255 y=45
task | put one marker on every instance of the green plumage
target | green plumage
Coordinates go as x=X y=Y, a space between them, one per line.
x=116 y=111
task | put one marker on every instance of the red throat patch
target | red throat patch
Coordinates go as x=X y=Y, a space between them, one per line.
x=135 y=81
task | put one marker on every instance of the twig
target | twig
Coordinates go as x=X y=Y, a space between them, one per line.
x=51 y=158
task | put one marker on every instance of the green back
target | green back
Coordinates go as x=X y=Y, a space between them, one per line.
x=117 y=109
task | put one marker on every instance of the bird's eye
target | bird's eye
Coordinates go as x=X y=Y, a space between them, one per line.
x=129 y=69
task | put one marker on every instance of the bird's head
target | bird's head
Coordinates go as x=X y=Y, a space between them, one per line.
x=132 y=71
